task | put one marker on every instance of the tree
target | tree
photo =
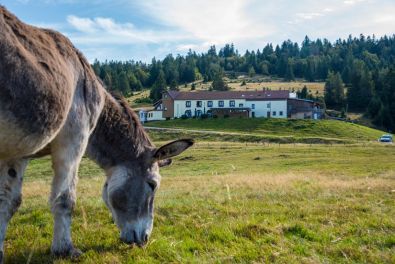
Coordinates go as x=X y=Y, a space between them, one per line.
x=334 y=90
x=362 y=86
x=159 y=87
x=219 y=84
x=289 y=74
x=174 y=86
x=135 y=85
x=123 y=83
x=251 y=72
x=108 y=81
x=303 y=93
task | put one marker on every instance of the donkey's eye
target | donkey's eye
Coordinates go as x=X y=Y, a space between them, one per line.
x=12 y=173
x=152 y=185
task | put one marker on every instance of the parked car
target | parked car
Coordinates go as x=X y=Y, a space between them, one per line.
x=386 y=138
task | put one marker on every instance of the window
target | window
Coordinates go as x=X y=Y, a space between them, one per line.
x=210 y=104
x=165 y=108
x=232 y=103
x=241 y=105
x=269 y=105
x=188 y=113
x=281 y=113
x=198 y=103
x=274 y=113
x=188 y=104
x=164 y=95
x=220 y=103
x=253 y=106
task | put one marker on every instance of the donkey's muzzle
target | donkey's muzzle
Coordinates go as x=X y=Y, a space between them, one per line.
x=133 y=237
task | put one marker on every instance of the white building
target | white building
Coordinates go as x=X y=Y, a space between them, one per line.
x=155 y=114
x=265 y=103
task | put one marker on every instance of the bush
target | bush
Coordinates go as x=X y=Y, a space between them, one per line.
x=184 y=117
x=226 y=116
x=204 y=116
x=143 y=100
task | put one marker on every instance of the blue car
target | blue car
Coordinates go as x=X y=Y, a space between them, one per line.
x=386 y=139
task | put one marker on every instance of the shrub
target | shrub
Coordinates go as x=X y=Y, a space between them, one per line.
x=143 y=100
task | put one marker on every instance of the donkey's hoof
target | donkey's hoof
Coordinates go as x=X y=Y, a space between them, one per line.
x=70 y=252
x=75 y=253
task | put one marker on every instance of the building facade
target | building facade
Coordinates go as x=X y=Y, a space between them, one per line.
x=265 y=103
x=273 y=104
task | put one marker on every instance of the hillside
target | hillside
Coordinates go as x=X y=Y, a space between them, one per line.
x=293 y=130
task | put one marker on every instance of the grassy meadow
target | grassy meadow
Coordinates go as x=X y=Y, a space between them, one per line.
x=275 y=130
x=233 y=203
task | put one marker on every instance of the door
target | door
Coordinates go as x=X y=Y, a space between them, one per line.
x=268 y=114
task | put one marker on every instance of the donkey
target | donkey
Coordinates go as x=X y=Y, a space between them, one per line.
x=51 y=102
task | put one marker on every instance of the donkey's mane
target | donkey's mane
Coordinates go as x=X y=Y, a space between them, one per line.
x=133 y=121
x=118 y=136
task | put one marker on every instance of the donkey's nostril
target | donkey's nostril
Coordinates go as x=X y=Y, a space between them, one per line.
x=145 y=238
x=126 y=240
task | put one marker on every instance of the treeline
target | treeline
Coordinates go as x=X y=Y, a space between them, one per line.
x=358 y=71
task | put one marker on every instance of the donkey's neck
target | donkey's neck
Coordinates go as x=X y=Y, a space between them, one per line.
x=118 y=137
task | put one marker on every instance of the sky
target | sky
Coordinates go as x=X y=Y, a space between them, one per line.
x=142 y=29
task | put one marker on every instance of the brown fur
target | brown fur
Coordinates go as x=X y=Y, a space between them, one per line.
x=40 y=71
x=119 y=136
x=34 y=74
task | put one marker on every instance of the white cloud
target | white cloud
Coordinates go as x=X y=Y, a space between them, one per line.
x=353 y=2
x=85 y=25
x=309 y=16
x=220 y=21
x=102 y=30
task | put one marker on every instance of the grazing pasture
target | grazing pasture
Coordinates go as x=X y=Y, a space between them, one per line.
x=284 y=130
x=233 y=203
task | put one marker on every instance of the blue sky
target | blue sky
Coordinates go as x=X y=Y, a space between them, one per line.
x=143 y=29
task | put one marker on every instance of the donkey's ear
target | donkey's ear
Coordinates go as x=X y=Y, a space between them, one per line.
x=172 y=149
x=165 y=162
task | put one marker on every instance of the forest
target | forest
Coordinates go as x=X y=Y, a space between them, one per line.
x=359 y=71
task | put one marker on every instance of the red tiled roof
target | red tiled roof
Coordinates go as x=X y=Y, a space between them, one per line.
x=226 y=95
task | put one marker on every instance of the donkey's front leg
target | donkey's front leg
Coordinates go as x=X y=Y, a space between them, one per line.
x=67 y=150
x=11 y=174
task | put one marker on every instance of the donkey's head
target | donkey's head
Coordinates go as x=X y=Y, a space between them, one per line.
x=130 y=190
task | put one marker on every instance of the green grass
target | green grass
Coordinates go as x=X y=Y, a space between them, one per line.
x=286 y=130
x=233 y=203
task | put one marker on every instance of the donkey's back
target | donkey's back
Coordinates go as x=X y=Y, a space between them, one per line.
x=38 y=76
